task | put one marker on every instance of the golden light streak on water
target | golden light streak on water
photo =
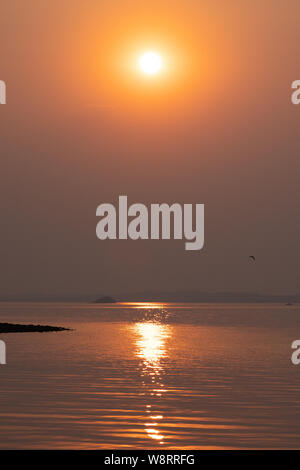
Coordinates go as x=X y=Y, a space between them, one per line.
x=151 y=348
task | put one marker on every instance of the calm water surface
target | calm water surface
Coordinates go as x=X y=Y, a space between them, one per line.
x=151 y=376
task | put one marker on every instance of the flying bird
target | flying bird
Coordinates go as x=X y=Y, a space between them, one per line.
x=252 y=257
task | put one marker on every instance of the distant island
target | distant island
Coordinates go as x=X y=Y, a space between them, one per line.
x=105 y=300
x=16 y=328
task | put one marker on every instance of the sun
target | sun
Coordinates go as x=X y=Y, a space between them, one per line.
x=150 y=63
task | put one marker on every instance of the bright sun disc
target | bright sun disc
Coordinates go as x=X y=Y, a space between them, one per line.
x=150 y=63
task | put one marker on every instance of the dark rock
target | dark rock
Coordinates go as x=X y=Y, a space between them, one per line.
x=15 y=328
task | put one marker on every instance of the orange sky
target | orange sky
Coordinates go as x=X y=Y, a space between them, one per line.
x=80 y=128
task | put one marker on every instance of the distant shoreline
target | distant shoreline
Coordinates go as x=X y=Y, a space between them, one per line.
x=18 y=328
x=156 y=297
x=158 y=301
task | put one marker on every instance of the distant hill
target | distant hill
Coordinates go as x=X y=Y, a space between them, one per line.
x=105 y=300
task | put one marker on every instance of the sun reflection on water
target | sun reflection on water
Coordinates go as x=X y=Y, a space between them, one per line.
x=152 y=350
x=151 y=343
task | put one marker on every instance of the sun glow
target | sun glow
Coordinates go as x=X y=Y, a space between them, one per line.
x=150 y=63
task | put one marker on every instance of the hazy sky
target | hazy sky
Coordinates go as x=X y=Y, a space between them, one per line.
x=79 y=129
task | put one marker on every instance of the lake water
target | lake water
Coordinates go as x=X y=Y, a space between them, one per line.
x=143 y=376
